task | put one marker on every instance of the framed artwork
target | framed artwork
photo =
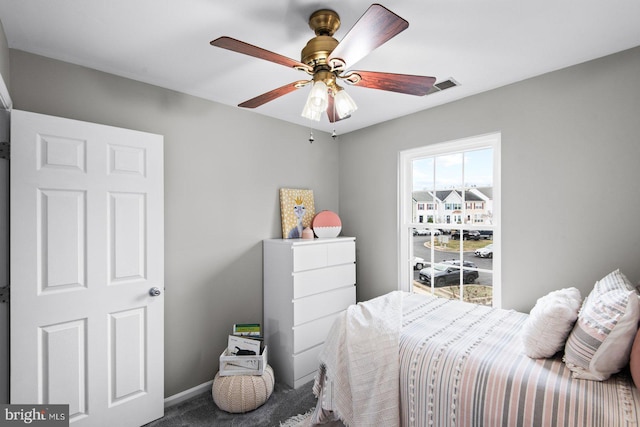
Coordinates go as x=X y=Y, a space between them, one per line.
x=296 y=210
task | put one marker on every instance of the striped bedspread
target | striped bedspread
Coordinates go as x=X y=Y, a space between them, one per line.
x=463 y=365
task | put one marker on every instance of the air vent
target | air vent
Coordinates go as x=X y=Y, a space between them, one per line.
x=443 y=85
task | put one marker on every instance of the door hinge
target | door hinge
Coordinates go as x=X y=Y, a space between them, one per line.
x=5 y=150
x=4 y=294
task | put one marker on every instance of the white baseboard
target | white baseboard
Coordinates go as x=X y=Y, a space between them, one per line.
x=187 y=394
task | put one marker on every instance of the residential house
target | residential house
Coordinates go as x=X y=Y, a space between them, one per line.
x=425 y=207
x=446 y=206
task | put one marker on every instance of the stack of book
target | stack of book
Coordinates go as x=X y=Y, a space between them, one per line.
x=245 y=353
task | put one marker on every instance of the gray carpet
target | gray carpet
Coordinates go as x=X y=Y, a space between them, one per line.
x=284 y=403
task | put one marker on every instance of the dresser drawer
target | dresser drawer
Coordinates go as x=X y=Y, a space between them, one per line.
x=312 y=333
x=341 y=253
x=306 y=362
x=321 y=305
x=308 y=257
x=311 y=282
x=311 y=256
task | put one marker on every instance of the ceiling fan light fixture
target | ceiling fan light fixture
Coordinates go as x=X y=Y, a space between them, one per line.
x=326 y=59
x=319 y=96
x=311 y=114
x=344 y=104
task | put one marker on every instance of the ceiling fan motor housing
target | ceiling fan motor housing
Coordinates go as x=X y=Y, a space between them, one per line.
x=324 y=23
x=317 y=50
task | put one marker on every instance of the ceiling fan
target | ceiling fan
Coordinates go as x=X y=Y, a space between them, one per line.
x=326 y=59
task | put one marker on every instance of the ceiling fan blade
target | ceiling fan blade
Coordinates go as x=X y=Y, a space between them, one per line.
x=331 y=112
x=257 y=52
x=273 y=94
x=377 y=26
x=402 y=83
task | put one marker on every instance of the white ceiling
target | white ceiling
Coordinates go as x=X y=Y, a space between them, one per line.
x=480 y=44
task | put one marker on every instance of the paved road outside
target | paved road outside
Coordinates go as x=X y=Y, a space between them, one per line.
x=420 y=250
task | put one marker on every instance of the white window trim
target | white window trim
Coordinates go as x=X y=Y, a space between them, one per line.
x=405 y=187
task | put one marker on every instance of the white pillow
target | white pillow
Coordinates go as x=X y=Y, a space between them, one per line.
x=546 y=329
x=601 y=340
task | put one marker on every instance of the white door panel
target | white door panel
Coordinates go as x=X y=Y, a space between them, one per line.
x=87 y=239
x=127 y=374
x=127 y=237
x=61 y=243
x=63 y=354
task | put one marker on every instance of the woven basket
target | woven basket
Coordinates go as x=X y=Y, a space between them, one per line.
x=242 y=393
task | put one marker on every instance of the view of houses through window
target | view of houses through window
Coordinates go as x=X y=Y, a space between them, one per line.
x=449 y=225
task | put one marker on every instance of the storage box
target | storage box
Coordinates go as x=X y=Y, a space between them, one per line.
x=242 y=365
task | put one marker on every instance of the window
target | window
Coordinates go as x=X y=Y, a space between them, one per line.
x=420 y=206
x=460 y=243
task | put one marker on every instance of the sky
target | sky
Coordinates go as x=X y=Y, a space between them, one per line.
x=451 y=171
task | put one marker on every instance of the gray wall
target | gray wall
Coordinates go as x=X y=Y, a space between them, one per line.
x=570 y=173
x=223 y=169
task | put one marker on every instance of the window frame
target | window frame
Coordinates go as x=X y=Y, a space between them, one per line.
x=405 y=189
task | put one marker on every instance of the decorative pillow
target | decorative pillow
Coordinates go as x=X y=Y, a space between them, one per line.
x=601 y=340
x=545 y=331
x=634 y=360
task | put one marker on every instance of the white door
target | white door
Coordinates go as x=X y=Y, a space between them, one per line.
x=86 y=247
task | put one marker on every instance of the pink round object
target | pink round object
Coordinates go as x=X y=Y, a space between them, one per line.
x=326 y=224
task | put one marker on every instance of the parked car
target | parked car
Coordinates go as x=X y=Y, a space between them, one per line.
x=448 y=273
x=486 y=252
x=466 y=235
x=425 y=232
x=418 y=263
x=486 y=234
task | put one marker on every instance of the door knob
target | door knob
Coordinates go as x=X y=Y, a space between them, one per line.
x=154 y=292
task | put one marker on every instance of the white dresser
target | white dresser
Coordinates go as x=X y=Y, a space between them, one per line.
x=307 y=283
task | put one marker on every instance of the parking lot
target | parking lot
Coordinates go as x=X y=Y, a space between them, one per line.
x=424 y=252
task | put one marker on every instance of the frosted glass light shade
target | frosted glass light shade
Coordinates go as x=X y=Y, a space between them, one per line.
x=309 y=113
x=318 y=97
x=344 y=104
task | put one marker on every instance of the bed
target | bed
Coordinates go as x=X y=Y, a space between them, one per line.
x=458 y=364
